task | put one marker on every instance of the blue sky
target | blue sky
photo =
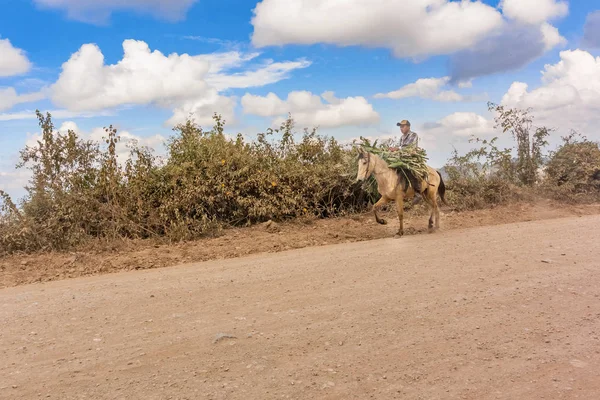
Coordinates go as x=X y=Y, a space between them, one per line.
x=434 y=62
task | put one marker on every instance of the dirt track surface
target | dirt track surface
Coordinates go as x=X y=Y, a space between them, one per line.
x=103 y=258
x=501 y=312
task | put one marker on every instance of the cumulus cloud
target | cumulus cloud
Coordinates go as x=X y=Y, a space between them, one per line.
x=427 y=88
x=439 y=138
x=308 y=109
x=534 y=12
x=486 y=40
x=464 y=124
x=181 y=82
x=409 y=28
x=9 y=98
x=591 y=30
x=14 y=61
x=569 y=94
x=551 y=37
x=99 y=12
x=511 y=48
x=141 y=77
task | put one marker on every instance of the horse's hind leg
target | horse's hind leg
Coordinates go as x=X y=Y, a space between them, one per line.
x=400 y=211
x=437 y=215
x=435 y=210
x=434 y=216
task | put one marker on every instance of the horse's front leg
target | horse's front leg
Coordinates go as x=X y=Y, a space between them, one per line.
x=383 y=200
x=400 y=210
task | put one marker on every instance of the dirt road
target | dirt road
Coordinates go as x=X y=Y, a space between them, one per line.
x=501 y=312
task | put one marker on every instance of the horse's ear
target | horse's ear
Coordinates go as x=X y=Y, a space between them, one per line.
x=361 y=152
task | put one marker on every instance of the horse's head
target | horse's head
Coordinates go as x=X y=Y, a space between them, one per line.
x=364 y=165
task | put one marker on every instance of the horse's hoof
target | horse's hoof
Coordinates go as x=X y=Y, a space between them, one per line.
x=382 y=221
x=398 y=235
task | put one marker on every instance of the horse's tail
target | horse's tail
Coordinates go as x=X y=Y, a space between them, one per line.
x=442 y=188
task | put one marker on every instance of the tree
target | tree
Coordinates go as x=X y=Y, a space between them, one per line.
x=530 y=140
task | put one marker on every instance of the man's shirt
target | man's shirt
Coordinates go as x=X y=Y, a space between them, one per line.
x=408 y=139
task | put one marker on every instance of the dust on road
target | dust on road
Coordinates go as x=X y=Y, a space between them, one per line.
x=500 y=312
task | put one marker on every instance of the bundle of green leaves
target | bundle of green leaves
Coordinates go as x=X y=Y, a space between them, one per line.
x=407 y=159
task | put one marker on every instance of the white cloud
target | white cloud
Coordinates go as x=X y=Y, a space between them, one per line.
x=308 y=109
x=9 y=98
x=464 y=124
x=551 y=36
x=94 y=11
x=534 y=12
x=426 y=88
x=13 y=61
x=468 y=30
x=141 y=77
x=267 y=74
x=569 y=96
x=453 y=132
x=409 y=28
x=180 y=82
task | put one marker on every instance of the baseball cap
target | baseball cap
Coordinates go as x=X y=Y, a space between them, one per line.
x=403 y=122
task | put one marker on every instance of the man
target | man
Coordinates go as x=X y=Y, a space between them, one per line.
x=409 y=138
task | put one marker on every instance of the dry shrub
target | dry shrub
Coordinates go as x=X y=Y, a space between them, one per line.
x=472 y=193
x=483 y=177
x=488 y=175
x=80 y=192
x=573 y=171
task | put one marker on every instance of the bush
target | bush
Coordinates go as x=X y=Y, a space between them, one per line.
x=208 y=181
x=80 y=191
x=489 y=175
x=473 y=184
x=573 y=171
x=529 y=143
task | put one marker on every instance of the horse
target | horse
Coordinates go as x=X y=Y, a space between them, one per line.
x=393 y=186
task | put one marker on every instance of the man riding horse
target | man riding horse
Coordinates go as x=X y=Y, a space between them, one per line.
x=409 y=138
